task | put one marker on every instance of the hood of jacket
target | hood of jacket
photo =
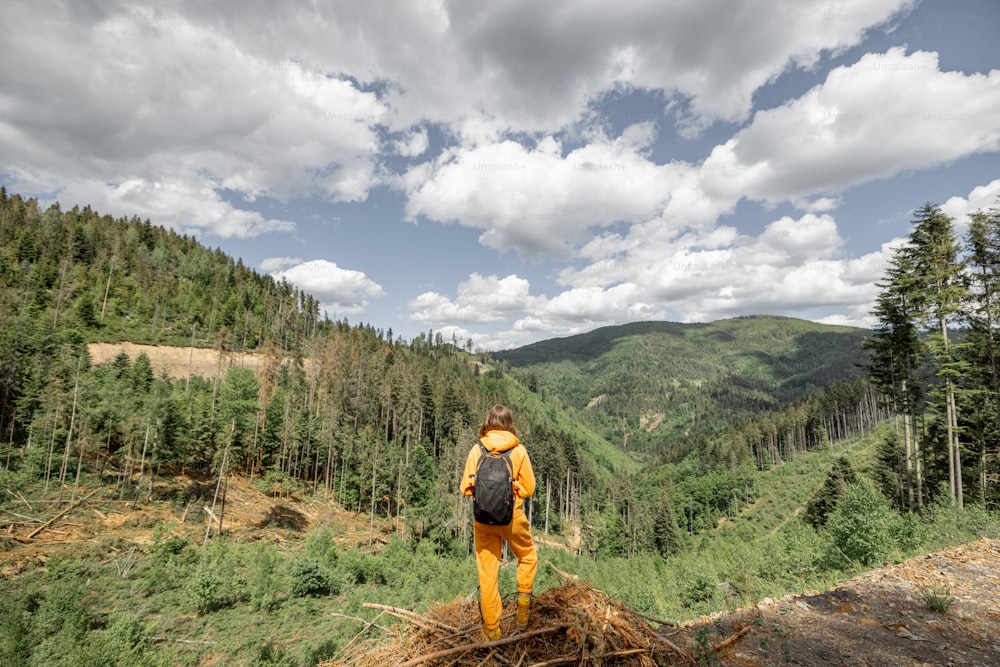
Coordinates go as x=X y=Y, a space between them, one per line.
x=499 y=441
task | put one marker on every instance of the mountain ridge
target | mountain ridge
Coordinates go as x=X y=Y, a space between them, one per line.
x=687 y=377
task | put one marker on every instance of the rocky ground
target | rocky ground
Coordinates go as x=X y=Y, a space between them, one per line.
x=879 y=619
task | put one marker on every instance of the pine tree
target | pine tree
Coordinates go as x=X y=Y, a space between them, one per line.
x=895 y=363
x=824 y=501
x=939 y=293
x=981 y=382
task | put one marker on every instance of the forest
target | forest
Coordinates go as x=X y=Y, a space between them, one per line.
x=369 y=421
x=353 y=416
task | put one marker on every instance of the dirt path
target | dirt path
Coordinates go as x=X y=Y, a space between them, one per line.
x=879 y=619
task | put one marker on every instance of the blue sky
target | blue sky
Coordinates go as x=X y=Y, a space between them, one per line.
x=515 y=171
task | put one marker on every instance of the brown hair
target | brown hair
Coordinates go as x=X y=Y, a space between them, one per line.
x=499 y=418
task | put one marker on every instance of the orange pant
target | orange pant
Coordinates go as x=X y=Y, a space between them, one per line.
x=488 y=543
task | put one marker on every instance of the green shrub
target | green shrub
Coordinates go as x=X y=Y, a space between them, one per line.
x=364 y=568
x=309 y=579
x=203 y=590
x=268 y=656
x=14 y=642
x=61 y=611
x=122 y=644
x=319 y=545
x=698 y=589
x=950 y=524
x=262 y=584
x=863 y=527
x=165 y=546
x=643 y=601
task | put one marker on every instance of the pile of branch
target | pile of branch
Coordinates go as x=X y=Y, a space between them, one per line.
x=573 y=624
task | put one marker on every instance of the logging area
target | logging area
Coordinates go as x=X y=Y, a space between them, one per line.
x=880 y=618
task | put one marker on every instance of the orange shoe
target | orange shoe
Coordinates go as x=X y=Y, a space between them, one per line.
x=523 y=611
x=492 y=635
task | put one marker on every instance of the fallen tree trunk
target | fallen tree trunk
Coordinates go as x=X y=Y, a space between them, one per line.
x=60 y=514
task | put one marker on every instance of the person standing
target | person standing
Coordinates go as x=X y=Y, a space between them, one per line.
x=498 y=435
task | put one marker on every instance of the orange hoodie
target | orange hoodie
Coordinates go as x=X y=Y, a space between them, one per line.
x=501 y=441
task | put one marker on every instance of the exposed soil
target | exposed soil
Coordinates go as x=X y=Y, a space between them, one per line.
x=879 y=619
x=126 y=519
x=178 y=362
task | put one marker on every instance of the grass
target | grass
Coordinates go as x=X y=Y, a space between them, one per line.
x=937 y=598
x=174 y=602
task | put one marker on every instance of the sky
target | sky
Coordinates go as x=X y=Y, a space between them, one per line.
x=514 y=171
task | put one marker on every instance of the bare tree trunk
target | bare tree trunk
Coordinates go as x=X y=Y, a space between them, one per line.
x=62 y=278
x=142 y=459
x=79 y=467
x=107 y=288
x=951 y=427
x=371 y=522
x=919 y=465
x=955 y=446
x=548 y=502
x=69 y=435
x=52 y=449
x=399 y=498
x=10 y=442
x=218 y=484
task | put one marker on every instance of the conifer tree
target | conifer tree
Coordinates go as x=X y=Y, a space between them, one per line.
x=981 y=310
x=896 y=357
x=939 y=292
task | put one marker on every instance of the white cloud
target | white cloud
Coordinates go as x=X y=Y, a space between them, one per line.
x=982 y=198
x=414 y=144
x=184 y=202
x=538 y=200
x=480 y=299
x=536 y=65
x=339 y=290
x=187 y=114
x=275 y=264
x=155 y=108
x=870 y=120
x=489 y=299
x=793 y=265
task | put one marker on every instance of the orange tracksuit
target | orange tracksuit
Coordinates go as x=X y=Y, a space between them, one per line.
x=517 y=534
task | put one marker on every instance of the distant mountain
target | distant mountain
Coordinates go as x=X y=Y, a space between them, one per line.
x=647 y=384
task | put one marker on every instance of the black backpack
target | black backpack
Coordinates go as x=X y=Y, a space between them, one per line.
x=493 y=492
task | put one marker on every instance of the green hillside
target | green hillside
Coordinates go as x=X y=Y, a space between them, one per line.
x=682 y=468
x=651 y=384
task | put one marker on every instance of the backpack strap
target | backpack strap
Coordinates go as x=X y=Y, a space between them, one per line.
x=505 y=455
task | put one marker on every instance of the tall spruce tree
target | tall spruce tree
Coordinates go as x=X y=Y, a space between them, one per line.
x=981 y=310
x=895 y=364
x=939 y=293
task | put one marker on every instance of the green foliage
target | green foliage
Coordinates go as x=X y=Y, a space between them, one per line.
x=823 y=501
x=123 y=643
x=698 y=588
x=365 y=568
x=729 y=429
x=203 y=589
x=167 y=546
x=269 y=656
x=308 y=578
x=937 y=598
x=950 y=524
x=263 y=582
x=863 y=528
x=15 y=644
